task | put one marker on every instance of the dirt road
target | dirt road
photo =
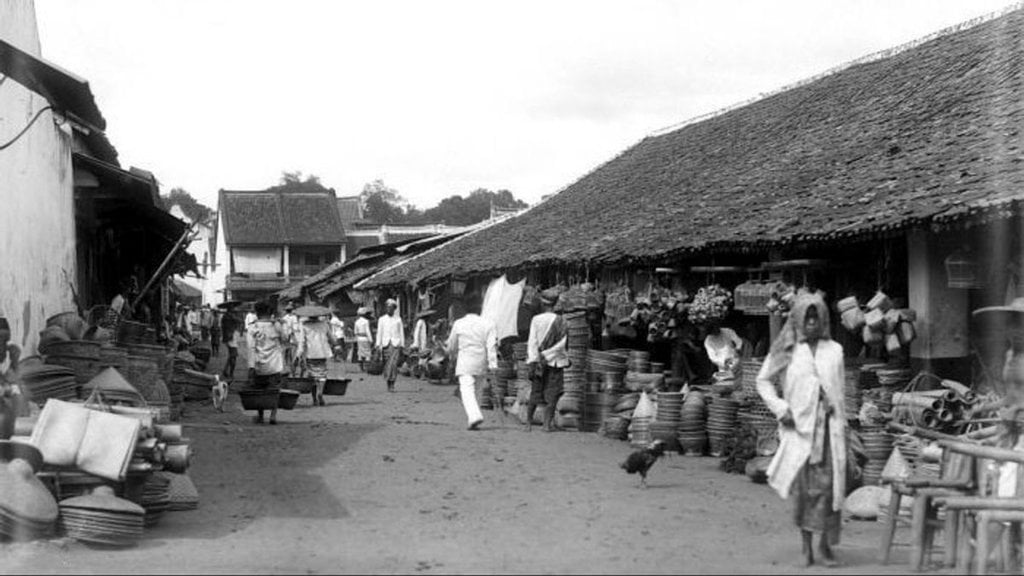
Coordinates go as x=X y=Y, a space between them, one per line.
x=394 y=483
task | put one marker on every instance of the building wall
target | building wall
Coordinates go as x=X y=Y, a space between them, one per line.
x=256 y=260
x=37 y=230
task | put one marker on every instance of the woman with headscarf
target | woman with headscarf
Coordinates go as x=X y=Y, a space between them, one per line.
x=391 y=341
x=810 y=464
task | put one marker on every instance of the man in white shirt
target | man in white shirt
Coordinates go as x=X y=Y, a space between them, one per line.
x=291 y=336
x=391 y=341
x=473 y=342
x=364 y=336
x=547 y=355
x=338 y=330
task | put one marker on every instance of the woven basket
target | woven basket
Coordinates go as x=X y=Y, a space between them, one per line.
x=266 y=399
x=77 y=348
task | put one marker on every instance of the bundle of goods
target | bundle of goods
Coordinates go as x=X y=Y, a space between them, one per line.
x=880 y=323
x=102 y=518
x=569 y=408
x=692 y=434
x=878 y=446
x=81 y=356
x=44 y=381
x=627 y=404
x=721 y=422
x=639 y=361
x=710 y=304
x=597 y=406
x=27 y=509
x=942 y=407
x=636 y=382
x=618 y=306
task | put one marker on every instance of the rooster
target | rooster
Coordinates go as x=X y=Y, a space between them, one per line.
x=641 y=460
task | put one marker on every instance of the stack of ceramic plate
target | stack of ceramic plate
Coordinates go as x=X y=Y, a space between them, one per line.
x=44 y=381
x=102 y=518
x=639 y=361
x=692 y=435
x=721 y=422
x=156 y=498
x=183 y=493
x=878 y=446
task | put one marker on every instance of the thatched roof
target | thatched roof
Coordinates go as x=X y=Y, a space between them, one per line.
x=921 y=134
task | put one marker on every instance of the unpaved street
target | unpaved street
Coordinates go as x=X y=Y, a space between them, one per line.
x=393 y=483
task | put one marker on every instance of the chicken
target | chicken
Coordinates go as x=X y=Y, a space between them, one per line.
x=642 y=460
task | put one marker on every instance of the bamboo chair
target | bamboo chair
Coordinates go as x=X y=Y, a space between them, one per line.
x=956 y=478
x=979 y=512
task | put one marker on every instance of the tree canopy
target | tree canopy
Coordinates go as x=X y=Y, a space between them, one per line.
x=192 y=208
x=457 y=210
x=294 y=182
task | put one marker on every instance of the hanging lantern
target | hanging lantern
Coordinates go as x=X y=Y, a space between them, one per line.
x=962 y=271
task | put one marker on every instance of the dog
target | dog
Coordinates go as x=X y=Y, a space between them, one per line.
x=219 y=392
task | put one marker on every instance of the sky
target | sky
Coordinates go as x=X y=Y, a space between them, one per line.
x=441 y=97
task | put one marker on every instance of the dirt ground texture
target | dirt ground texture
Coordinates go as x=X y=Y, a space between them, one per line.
x=394 y=483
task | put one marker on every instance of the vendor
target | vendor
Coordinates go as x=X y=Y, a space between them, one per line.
x=723 y=345
x=9 y=389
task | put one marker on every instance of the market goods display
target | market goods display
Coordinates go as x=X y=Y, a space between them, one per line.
x=27 y=509
x=692 y=433
x=710 y=304
x=45 y=381
x=878 y=446
x=721 y=422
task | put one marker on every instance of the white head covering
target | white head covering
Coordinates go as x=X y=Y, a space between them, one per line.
x=391 y=302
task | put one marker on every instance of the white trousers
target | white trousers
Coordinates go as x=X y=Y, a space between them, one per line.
x=467 y=389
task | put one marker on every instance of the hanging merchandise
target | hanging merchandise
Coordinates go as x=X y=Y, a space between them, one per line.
x=501 y=306
x=711 y=304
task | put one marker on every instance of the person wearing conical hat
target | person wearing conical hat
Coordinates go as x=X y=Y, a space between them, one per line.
x=547 y=356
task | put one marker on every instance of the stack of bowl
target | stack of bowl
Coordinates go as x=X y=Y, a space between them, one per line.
x=640 y=430
x=44 y=381
x=721 y=422
x=596 y=408
x=639 y=361
x=878 y=446
x=693 y=437
x=102 y=518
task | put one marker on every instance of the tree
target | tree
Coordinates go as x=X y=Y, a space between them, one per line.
x=458 y=211
x=192 y=208
x=383 y=204
x=293 y=182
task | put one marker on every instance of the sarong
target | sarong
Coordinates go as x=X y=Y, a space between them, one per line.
x=392 y=359
x=364 y=350
x=812 y=496
x=317 y=368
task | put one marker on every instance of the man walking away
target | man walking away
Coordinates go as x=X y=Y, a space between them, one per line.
x=364 y=337
x=315 y=345
x=291 y=335
x=390 y=341
x=473 y=342
x=547 y=356
x=266 y=354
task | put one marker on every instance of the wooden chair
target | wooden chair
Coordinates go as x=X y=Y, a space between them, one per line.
x=956 y=478
x=977 y=513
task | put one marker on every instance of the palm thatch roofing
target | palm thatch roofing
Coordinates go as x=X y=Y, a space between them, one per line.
x=923 y=134
x=275 y=218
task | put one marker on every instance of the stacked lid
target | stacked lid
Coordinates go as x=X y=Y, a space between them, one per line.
x=44 y=381
x=692 y=434
x=102 y=518
x=721 y=422
x=27 y=509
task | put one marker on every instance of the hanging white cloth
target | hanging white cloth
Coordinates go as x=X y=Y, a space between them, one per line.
x=501 y=305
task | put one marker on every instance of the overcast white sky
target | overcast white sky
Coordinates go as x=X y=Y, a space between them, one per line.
x=440 y=97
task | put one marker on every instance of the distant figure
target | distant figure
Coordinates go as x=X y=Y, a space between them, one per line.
x=391 y=341
x=291 y=325
x=215 y=333
x=547 y=356
x=230 y=328
x=315 y=342
x=338 y=330
x=364 y=337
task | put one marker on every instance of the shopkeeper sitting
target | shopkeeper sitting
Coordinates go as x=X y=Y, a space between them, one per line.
x=723 y=345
